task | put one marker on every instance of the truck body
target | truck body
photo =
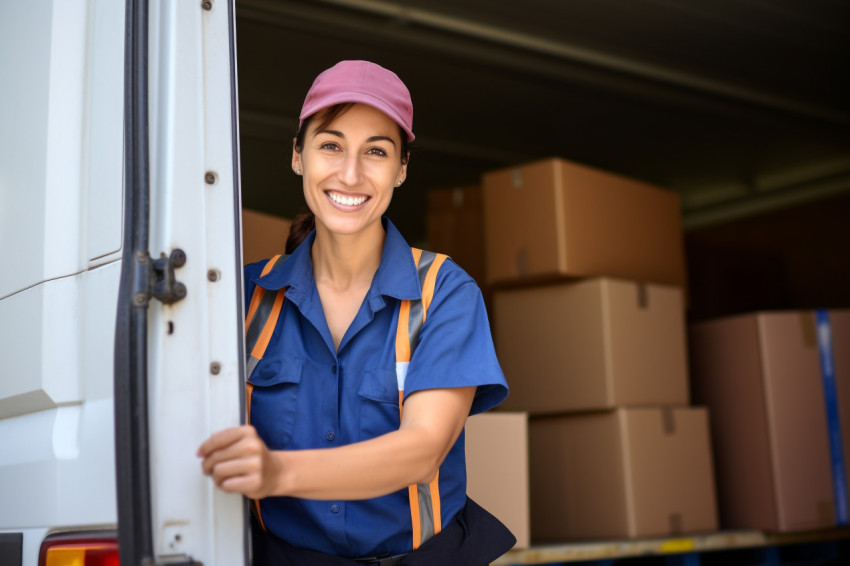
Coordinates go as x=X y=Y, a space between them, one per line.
x=118 y=119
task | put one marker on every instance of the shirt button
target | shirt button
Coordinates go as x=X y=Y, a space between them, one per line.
x=334 y=508
x=330 y=435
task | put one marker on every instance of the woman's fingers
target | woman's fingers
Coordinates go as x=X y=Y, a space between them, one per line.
x=248 y=485
x=243 y=445
x=223 y=438
x=233 y=453
x=236 y=459
x=230 y=473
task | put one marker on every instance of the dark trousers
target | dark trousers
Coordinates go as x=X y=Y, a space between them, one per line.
x=473 y=538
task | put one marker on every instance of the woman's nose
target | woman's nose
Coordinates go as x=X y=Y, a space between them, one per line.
x=351 y=169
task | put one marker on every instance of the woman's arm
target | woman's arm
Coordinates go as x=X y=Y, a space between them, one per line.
x=238 y=460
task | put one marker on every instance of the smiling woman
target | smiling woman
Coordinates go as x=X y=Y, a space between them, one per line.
x=351 y=168
x=305 y=222
x=354 y=452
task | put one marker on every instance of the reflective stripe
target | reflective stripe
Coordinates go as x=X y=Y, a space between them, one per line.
x=268 y=329
x=434 y=489
x=430 y=283
x=424 y=498
x=402 y=340
x=415 y=514
x=417 y=312
x=426 y=511
x=258 y=322
x=263 y=312
x=417 y=254
x=275 y=261
x=251 y=365
x=414 y=324
x=423 y=265
x=255 y=504
x=401 y=374
x=256 y=298
x=259 y=291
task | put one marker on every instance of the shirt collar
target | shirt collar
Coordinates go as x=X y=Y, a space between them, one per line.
x=396 y=277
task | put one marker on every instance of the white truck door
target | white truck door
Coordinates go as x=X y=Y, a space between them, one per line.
x=107 y=384
x=178 y=344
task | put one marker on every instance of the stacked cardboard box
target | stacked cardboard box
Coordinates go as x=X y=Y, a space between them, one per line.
x=556 y=218
x=591 y=344
x=588 y=321
x=497 y=469
x=455 y=227
x=263 y=235
x=776 y=409
x=625 y=473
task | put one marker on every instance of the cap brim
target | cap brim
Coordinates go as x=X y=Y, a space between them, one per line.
x=357 y=98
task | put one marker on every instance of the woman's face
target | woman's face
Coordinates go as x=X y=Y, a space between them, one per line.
x=351 y=168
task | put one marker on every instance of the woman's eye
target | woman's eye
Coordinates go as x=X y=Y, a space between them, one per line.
x=329 y=145
x=377 y=151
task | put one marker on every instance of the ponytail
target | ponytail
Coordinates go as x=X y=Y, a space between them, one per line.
x=303 y=224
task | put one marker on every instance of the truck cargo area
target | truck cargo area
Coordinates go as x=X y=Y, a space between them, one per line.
x=737 y=110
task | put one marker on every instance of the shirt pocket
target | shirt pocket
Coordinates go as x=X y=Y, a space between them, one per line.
x=274 y=399
x=378 y=403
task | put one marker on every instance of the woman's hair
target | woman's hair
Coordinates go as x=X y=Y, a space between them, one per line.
x=305 y=222
x=301 y=226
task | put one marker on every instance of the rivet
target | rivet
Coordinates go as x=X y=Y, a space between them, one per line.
x=210 y=178
x=140 y=299
x=178 y=258
x=213 y=275
x=215 y=368
x=206 y=5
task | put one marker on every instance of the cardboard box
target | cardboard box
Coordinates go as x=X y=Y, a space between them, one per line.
x=593 y=344
x=455 y=227
x=760 y=376
x=263 y=235
x=556 y=218
x=626 y=473
x=497 y=469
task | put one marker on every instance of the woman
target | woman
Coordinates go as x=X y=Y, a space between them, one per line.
x=343 y=470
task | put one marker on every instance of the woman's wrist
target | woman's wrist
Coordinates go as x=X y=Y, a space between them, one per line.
x=281 y=473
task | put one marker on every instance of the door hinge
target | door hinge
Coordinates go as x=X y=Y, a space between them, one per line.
x=155 y=278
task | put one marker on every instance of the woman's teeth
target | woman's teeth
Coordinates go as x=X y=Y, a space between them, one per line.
x=349 y=201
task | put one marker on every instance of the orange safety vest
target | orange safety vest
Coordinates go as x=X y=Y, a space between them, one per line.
x=263 y=313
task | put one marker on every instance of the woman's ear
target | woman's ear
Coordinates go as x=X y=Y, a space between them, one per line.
x=296 y=159
x=402 y=175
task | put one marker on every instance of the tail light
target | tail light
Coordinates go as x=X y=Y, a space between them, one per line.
x=86 y=550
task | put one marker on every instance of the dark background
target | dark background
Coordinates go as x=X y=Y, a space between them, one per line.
x=739 y=106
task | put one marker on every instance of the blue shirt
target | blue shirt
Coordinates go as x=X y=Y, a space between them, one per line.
x=307 y=394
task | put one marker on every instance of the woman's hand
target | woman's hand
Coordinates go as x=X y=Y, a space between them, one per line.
x=238 y=461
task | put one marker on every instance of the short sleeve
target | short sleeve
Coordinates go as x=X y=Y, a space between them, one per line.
x=455 y=346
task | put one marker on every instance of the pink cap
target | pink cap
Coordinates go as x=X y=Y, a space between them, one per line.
x=364 y=82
